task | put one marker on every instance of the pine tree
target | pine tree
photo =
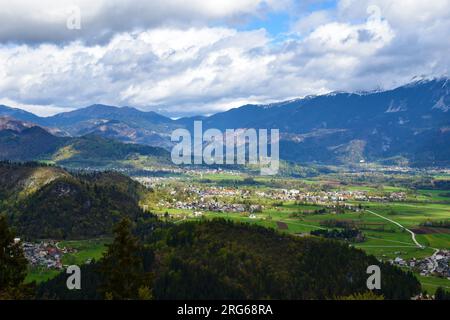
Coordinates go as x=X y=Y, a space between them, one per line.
x=13 y=265
x=441 y=294
x=122 y=265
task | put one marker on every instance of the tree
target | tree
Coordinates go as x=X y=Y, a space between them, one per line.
x=13 y=265
x=122 y=266
x=441 y=294
x=362 y=296
x=145 y=293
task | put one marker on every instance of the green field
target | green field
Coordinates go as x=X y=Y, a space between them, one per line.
x=40 y=274
x=430 y=284
x=92 y=249
x=86 y=250
x=383 y=239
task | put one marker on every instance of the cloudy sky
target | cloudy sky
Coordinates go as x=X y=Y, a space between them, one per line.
x=184 y=57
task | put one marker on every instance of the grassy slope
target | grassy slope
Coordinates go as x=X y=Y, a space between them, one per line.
x=18 y=182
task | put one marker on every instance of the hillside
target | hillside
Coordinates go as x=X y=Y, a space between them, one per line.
x=403 y=123
x=25 y=143
x=268 y=263
x=95 y=150
x=124 y=124
x=19 y=114
x=49 y=202
x=17 y=181
x=125 y=132
x=99 y=112
x=29 y=144
x=8 y=123
x=224 y=260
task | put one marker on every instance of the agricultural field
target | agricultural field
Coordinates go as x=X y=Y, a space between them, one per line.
x=386 y=232
x=39 y=275
x=383 y=220
x=430 y=284
x=86 y=250
x=81 y=252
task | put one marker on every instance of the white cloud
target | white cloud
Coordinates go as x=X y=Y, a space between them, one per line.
x=203 y=69
x=400 y=40
x=401 y=13
x=311 y=21
x=159 y=67
x=42 y=110
x=32 y=21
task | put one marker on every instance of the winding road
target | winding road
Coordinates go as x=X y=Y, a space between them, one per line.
x=432 y=259
x=413 y=235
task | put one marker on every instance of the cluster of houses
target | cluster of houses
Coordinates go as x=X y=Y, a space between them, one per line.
x=212 y=191
x=194 y=197
x=219 y=192
x=325 y=197
x=152 y=182
x=212 y=206
x=45 y=254
x=438 y=264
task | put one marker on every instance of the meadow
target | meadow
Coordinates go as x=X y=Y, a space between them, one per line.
x=85 y=251
x=383 y=239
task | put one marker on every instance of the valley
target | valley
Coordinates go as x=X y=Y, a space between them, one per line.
x=225 y=158
x=385 y=212
x=361 y=175
x=305 y=207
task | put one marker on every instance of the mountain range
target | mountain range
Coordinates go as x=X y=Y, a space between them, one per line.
x=409 y=125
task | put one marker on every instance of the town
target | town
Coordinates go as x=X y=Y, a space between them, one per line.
x=438 y=264
x=46 y=254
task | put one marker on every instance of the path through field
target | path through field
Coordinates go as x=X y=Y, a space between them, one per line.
x=413 y=235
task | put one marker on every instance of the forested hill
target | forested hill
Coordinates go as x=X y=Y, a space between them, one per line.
x=35 y=143
x=220 y=259
x=49 y=202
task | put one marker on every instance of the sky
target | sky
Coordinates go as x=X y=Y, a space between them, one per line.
x=189 y=57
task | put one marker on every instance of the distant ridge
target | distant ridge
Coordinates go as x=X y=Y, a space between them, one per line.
x=19 y=114
x=404 y=126
x=20 y=141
